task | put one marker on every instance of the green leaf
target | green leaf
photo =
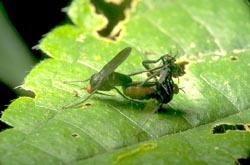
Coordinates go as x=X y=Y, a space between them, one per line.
x=211 y=35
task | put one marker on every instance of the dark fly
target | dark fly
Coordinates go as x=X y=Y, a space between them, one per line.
x=163 y=87
x=107 y=79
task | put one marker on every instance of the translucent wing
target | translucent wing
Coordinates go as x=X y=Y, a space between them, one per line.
x=115 y=62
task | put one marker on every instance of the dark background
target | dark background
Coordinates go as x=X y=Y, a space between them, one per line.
x=31 y=19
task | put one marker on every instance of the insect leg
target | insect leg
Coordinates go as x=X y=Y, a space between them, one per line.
x=118 y=91
x=75 y=104
x=143 y=71
x=150 y=77
x=146 y=63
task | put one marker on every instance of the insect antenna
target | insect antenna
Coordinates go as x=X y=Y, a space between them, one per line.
x=69 y=82
x=103 y=93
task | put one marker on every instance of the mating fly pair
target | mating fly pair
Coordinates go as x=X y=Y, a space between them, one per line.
x=161 y=89
x=163 y=86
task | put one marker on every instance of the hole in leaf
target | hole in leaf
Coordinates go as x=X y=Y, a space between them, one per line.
x=223 y=128
x=88 y=104
x=75 y=135
x=114 y=12
x=243 y=161
x=233 y=58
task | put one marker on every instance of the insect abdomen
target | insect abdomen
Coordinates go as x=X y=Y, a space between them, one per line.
x=139 y=92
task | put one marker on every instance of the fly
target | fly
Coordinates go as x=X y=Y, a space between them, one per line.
x=163 y=87
x=107 y=79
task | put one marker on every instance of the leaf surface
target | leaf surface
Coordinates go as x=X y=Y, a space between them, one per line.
x=211 y=35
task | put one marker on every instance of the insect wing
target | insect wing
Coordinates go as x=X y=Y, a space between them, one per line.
x=119 y=79
x=115 y=62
